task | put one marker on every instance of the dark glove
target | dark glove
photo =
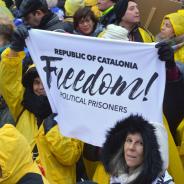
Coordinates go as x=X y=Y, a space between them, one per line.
x=49 y=122
x=166 y=53
x=18 y=38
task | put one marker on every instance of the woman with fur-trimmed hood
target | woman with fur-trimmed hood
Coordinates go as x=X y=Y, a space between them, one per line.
x=136 y=152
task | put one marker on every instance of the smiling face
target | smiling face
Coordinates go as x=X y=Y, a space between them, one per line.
x=86 y=26
x=38 y=88
x=133 y=150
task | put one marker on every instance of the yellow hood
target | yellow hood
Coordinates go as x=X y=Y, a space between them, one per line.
x=181 y=12
x=90 y=2
x=177 y=22
x=4 y=11
x=15 y=155
x=71 y=6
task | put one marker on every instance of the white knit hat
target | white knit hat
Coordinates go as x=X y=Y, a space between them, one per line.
x=115 y=32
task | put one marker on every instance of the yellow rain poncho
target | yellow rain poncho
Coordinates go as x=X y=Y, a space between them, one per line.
x=15 y=156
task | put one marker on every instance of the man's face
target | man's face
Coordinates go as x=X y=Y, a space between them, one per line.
x=38 y=88
x=132 y=14
x=33 y=19
x=104 y=4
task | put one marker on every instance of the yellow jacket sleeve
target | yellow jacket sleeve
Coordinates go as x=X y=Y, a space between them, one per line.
x=66 y=150
x=11 y=81
x=175 y=165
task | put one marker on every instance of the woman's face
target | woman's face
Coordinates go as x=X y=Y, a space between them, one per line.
x=167 y=30
x=86 y=26
x=38 y=88
x=133 y=150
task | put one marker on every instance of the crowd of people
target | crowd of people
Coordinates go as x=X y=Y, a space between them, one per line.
x=136 y=151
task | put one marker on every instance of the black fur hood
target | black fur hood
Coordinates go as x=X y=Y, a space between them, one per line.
x=155 y=147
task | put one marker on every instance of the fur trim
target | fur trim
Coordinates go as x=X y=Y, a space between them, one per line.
x=29 y=77
x=162 y=140
x=153 y=159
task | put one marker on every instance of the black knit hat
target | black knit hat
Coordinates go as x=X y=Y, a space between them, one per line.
x=27 y=6
x=29 y=77
x=120 y=8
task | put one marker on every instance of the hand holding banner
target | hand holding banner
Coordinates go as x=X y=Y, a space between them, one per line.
x=91 y=83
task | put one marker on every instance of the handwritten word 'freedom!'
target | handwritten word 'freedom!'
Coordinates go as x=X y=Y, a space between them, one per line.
x=90 y=83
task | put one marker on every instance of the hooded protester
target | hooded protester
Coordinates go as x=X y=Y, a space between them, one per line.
x=16 y=164
x=136 y=151
x=173 y=26
x=28 y=103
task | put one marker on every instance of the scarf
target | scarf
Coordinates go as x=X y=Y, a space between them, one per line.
x=125 y=178
x=38 y=105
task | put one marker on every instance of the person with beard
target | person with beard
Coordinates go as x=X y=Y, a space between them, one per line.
x=25 y=96
x=136 y=152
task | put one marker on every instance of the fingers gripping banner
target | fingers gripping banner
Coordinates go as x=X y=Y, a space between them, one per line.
x=91 y=83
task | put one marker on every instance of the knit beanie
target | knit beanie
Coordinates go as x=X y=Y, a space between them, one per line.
x=120 y=8
x=115 y=32
x=71 y=6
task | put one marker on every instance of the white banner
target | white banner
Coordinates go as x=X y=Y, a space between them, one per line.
x=91 y=83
